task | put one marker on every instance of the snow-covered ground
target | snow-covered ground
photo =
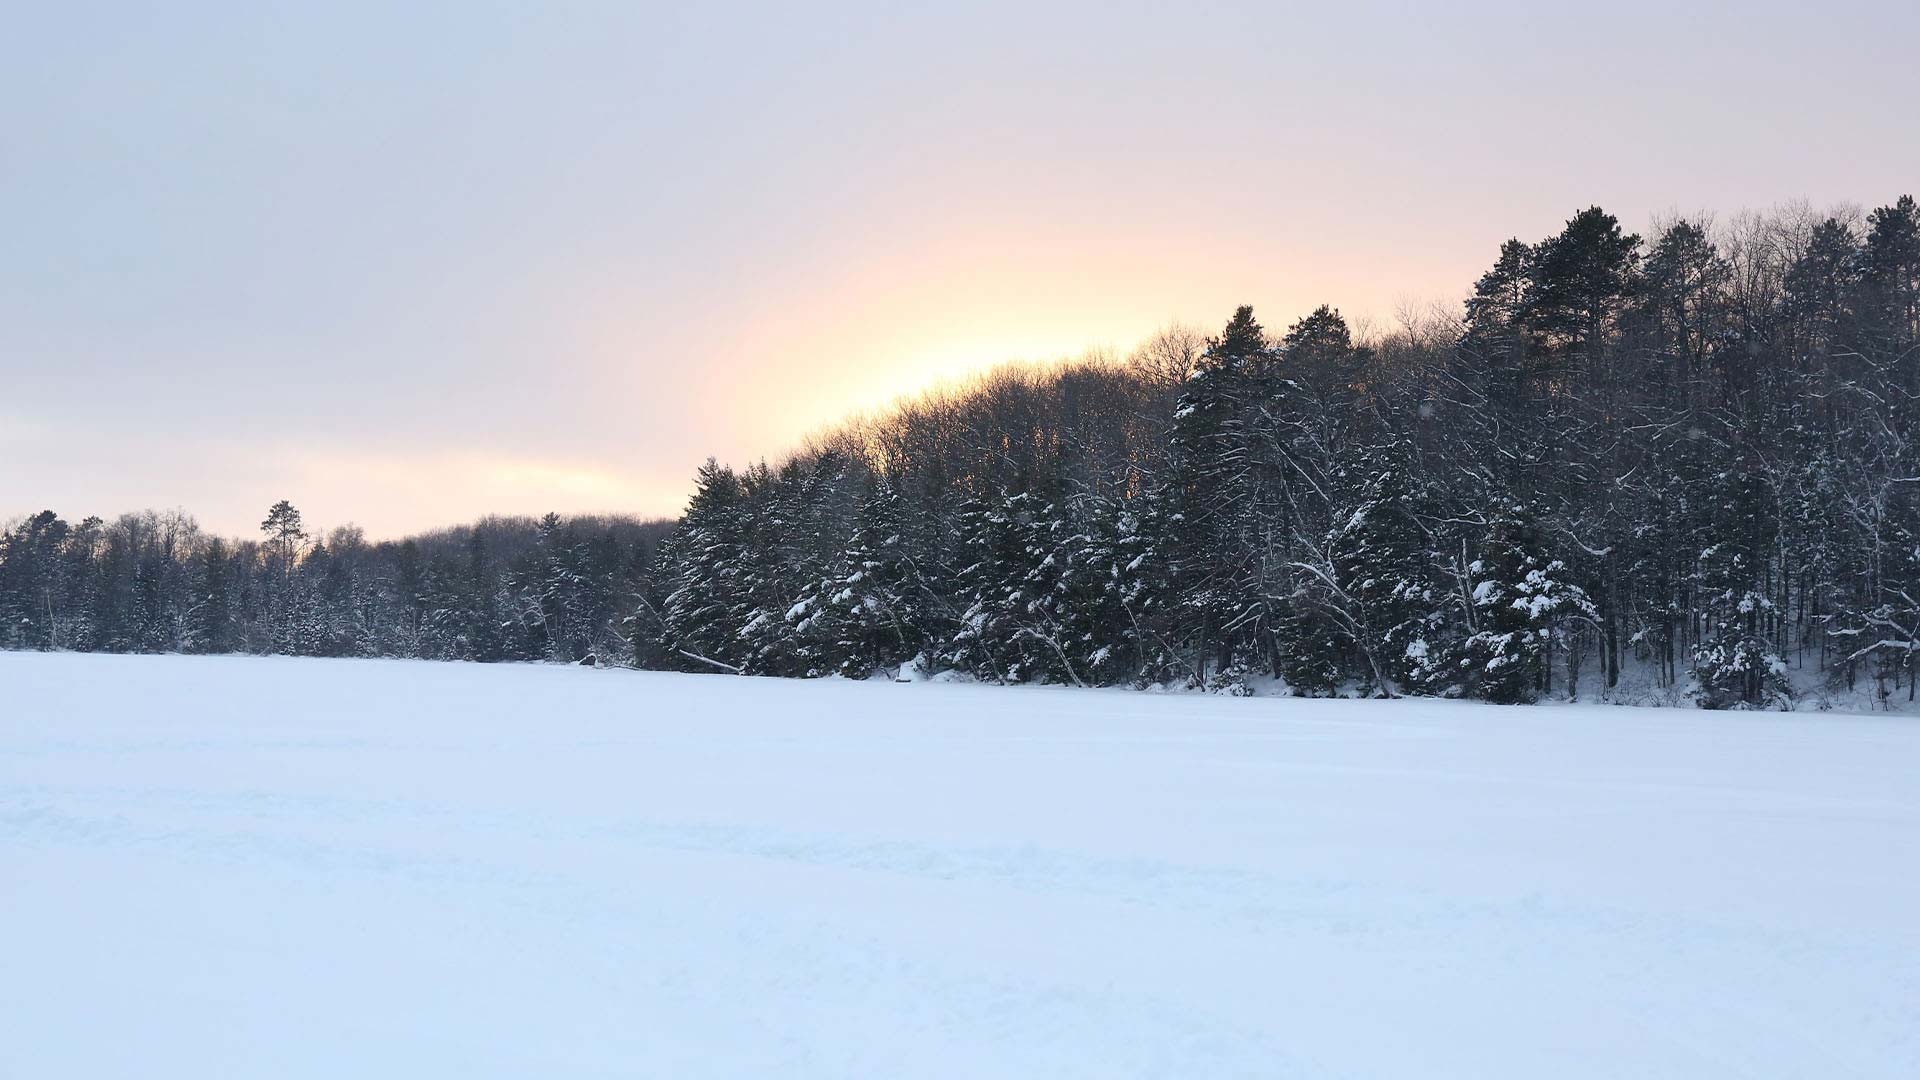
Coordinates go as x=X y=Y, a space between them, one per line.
x=230 y=867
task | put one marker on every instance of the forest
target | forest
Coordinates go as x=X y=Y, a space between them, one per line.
x=1687 y=457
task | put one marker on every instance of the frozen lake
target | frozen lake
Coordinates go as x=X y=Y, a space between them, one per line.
x=220 y=867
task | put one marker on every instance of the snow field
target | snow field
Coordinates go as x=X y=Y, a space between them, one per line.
x=298 y=868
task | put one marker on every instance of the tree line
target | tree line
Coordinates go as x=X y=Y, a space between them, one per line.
x=1688 y=456
x=500 y=589
x=1691 y=455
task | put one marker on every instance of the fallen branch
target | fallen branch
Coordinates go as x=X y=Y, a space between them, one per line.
x=709 y=660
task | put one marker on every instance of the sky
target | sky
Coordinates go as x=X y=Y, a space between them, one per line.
x=409 y=264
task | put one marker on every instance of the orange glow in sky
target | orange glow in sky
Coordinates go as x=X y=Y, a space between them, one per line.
x=507 y=260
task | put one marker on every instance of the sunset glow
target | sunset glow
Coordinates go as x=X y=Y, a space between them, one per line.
x=557 y=265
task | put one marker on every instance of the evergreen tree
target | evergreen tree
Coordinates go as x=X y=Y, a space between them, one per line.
x=213 y=615
x=285 y=535
x=704 y=567
x=1384 y=558
x=1734 y=661
x=1215 y=543
x=1578 y=282
x=991 y=562
x=31 y=580
x=1519 y=591
x=866 y=617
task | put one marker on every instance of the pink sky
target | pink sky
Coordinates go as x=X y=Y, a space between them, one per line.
x=407 y=268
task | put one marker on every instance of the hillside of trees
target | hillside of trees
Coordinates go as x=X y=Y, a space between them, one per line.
x=1690 y=455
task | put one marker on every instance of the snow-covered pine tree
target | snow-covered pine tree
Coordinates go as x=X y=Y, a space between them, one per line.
x=212 y=614
x=31 y=592
x=702 y=568
x=1040 y=604
x=1213 y=542
x=1147 y=593
x=1095 y=630
x=1312 y=649
x=1519 y=592
x=1387 y=561
x=1735 y=662
x=867 y=616
x=775 y=567
x=992 y=568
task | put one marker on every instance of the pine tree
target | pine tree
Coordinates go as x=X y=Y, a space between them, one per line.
x=1578 y=281
x=1890 y=300
x=285 y=539
x=991 y=554
x=1519 y=591
x=1318 y=353
x=285 y=535
x=866 y=617
x=485 y=637
x=1092 y=588
x=1147 y=597
x=1734 y=660
x=1385 y=560
x=1491 y=361
x=31 y=580
x=1890 y=268
x=1684 y=296
x=1214 y=539
x=213 y=616
x=1312 y=655
x=1039 y=598
x=411 y=591
x=703 y=565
